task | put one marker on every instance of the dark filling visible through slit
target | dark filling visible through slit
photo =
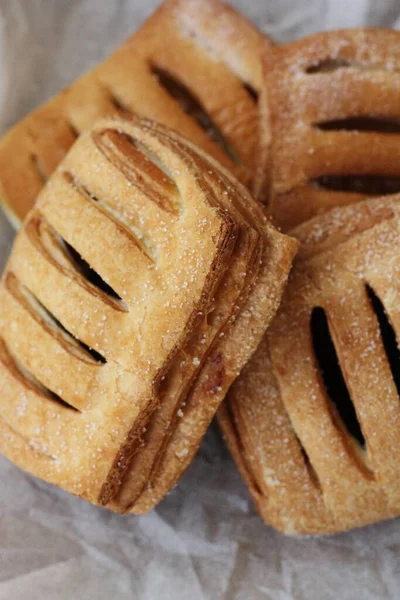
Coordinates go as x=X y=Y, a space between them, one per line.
x=332 y=375
x=388 y=336
x=368 y=124
x=27 y=378
x=95 y=355
x=119 y=106
x=370 y=185
x=251 y=92
x=74 y=132
x=191 y=106
x=58 y=251
x=90 y=274
x=38 y=311
x=328 y=65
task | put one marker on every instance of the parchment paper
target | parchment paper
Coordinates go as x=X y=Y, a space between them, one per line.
x=205 y=540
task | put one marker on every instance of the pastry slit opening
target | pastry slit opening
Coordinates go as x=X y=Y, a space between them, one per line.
x=26 y=378
x=134 y=235
x=119 y=106
x=363 y=124
x=329 y=64
x=332 y=375
x=74 y=132
x=369 y=185
x=254 y=95
x=308 y=464
x=40 y=170
x=49 y=322
x=388 y=335
x=90 y=274
x=250 y=474
x=57 y=250
x=193 y=107
x=142 y=168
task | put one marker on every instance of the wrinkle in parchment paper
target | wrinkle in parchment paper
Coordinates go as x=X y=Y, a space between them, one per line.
x=205 y=540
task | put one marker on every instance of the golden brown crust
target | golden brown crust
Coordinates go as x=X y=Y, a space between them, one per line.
x=306 y=471
x=115 y=223
x=142 y=250
x=332 y=107
x=255 y=307
x=182 y=56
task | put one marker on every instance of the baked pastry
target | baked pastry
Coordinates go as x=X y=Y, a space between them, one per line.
x=313 y=420
x=137 y=274
x=194 y=66
x=333 y=110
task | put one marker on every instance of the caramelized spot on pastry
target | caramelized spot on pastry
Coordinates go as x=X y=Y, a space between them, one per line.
x=388 y=334
x=332 y=375
x=191 y=106
x=20 y=372
x=371 y=185
x=49 y=322
x=215 y=380
x=141 y=167
x=372 y=124
x=329 y=64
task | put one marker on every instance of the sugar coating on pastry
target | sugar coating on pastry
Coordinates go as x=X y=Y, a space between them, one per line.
x=255 y=292
x=332 y=112
x=133 y=264
x=138 y=220
x=194 y=66
x=313 y=421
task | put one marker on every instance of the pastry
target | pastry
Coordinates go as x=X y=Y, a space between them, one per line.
x=139 y=267
x=333 y=111
x=313 y=420
x=194 y=66
x=257 y=303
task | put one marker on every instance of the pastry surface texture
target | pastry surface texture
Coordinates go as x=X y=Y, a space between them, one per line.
x=134 y=278
x=332 y=112
x=194 y=66
x=313 y=421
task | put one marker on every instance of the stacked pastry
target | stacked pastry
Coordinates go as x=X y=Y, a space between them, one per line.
x=145 y=275
x=139 y=285
x=313 y=422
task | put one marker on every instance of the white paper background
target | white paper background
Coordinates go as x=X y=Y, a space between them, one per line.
x=204 y=541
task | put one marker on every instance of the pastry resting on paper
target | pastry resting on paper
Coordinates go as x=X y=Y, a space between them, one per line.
x=333 y=108
x=139 y=285
x=313 y=422
x=194 y=66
